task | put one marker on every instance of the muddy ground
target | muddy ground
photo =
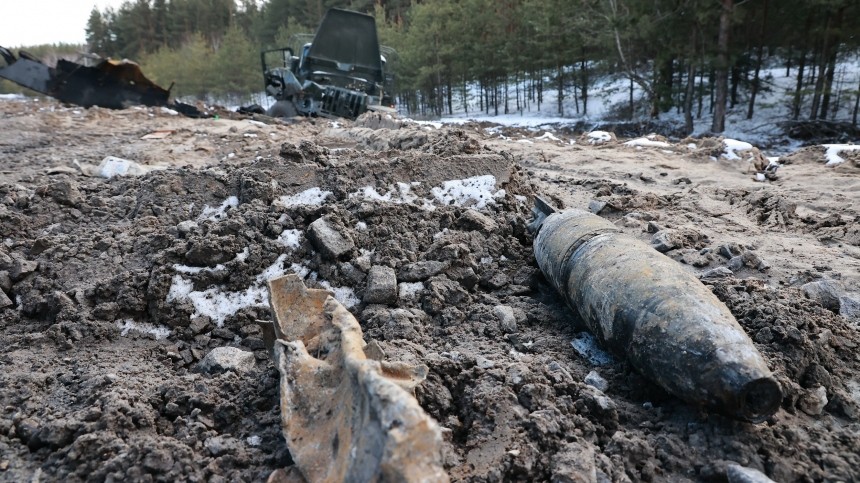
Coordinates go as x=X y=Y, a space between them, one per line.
x=114 y=290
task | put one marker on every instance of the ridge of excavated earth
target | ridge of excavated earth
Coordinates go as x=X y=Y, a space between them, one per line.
x=83 y=260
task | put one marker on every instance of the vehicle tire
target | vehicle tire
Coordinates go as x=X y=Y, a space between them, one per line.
x=282 y=109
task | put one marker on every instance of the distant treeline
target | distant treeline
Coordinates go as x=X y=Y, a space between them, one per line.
x=698 y=57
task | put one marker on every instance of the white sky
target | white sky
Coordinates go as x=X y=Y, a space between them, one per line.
x=31 y=22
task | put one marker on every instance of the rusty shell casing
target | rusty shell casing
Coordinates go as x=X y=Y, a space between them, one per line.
x=644 y=306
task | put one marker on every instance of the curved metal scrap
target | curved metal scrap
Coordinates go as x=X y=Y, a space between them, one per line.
x=346 y=417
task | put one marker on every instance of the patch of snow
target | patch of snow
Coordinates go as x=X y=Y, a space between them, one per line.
x=733 y=146
x=217 y=214
x=408 y=291
x=253 y=440
x=334 y=124
x=399 y=194
x=599 y=137
x=525 y=141
x=290 y=238
x=691 y=146
x=218 y=304
x=586 y=346
x=548 y=136
x=833 y=151
x=646 y=142
x=167 y=110
x=344 y=295
x=11 y=97
x=477 y=190
x=160 y=331
x=258 y=123
x=249 y=135
x=361 y=226
x=312 y=196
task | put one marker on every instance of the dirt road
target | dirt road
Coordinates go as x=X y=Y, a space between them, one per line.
x=114 y=291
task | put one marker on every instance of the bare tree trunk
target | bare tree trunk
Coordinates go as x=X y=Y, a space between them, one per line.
x=632 y=108
x=701 y=92
x=584 y=70
x=560 y=89
x=756 y=80
x=688 y=97
x=856 y=107
x=450 y=93
x=722 y=75
x=831 y=65
x=822 y=65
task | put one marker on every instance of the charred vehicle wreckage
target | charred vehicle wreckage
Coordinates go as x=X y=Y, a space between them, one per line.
x=341 y=71
x=109 y=83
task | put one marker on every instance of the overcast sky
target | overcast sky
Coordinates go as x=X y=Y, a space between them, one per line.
x=30 y=22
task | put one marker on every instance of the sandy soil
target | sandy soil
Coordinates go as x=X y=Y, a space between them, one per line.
x=91 y=267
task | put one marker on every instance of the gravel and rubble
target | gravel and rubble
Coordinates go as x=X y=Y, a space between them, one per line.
x=130 y=306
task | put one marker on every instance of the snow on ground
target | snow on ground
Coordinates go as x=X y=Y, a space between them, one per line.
x=290 y=238
x=646 y=142
x=216 y=214
x=160 y=332
x=732 y=148
x=598 y=137
x=833 y=151
x=608 y=93
x=312 y=196
x=586 y=346
x=219 y=304
x=463 y=192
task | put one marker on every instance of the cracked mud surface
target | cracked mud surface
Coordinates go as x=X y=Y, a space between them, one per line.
x=91 y=267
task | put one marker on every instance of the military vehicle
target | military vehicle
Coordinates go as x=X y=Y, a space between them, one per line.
x=341 y=71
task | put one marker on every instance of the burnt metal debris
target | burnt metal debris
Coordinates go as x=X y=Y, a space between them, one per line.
x=111 y=84
x=644 y=306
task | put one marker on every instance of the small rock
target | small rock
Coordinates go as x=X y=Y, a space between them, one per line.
x=186 y=227
x=65 y=193
x=21 y=268
x=741 y=474
x=484 y=363
x=729 y=250
x=420 y=271
x=736 y=263
x=574 y=463
x=849 y=307
x=221 y=359
x=199 y=325
x=507 y=318
x=594 y=379
x=825 y=292
x=221 y=445
x=160 y=461
x=5 y=281
x=813 y=402
x=596 y=206
x=474 y=220
x=653 y=227
x=4 y=300
x=665 y=240
x=328 y=239
x=381 y=286
x=719 y=272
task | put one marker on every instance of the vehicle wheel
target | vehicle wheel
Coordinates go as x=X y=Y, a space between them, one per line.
x=282 y=109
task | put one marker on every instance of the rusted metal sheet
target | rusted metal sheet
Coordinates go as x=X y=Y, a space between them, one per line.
x=346 y=417
x=644 y=306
